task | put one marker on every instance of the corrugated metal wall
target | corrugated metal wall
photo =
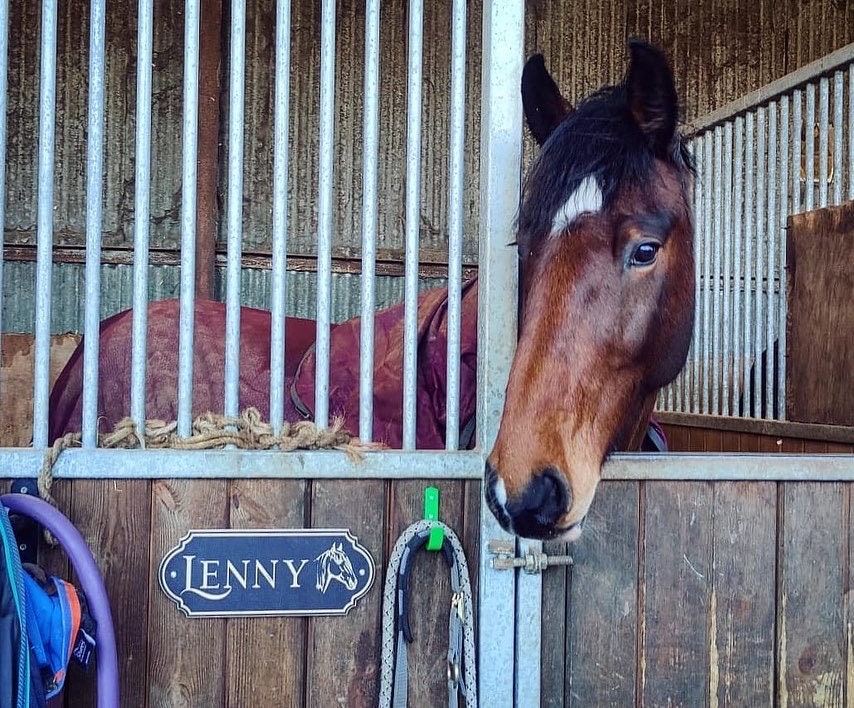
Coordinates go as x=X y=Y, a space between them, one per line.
x=721 y=50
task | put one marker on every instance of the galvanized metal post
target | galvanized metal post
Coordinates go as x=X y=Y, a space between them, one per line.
x=501 y=147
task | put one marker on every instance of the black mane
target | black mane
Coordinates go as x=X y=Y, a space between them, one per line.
x=599 y=139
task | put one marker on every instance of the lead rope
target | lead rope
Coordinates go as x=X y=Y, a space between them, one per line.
x=462 y=671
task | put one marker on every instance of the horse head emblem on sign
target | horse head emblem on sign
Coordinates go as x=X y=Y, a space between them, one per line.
x=333 y=564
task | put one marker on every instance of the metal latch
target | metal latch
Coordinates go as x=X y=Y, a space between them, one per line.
x=504 y=557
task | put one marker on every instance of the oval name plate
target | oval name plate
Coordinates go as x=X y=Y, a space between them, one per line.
x=260 y=572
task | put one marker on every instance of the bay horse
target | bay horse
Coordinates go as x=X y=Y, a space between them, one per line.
x=605 y=246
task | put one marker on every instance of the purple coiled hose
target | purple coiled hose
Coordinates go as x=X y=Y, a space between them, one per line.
x=93 y=586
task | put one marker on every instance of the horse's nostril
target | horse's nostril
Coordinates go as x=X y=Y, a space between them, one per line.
x=544 y=501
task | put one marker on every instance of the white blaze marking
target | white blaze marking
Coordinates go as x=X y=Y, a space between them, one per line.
x=500 y=494
x=586 y=198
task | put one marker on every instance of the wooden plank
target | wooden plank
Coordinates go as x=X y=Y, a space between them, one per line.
x=780 y=428
x=810 y=625
x=114 y=517
x=676 y=583
x=677 y=437
x=186 y=655
x=553 y=629
x=430 y=596
x=348 y=648
x=730 y=442
x=17 y=355
x=265 y=657
x=820 y=340
x=602 y=603
x=743 y=599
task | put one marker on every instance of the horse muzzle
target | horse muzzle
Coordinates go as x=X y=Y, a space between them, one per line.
x=537 y=511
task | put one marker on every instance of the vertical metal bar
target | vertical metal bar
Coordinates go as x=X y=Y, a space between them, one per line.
x=772 y=244
x=94 y=187
x=370 y=142
x=234 y=206
x=838 y=121
x=324 y=211
x=413 y=220
x=809 y=152
x=740 y=284
x=142 y=209
x=699 y=230
x=850 y=131
x=761 y=235
x=749 y=215
x=500 y=164
x=279 y=286
x=781 y=235
x=823 y=143
x=455 y=221
x=188 y=217
x=707 y=271
x=726 y=318
x=797 y=131
x=715 y=281
x=4 y=94
x=44 y=248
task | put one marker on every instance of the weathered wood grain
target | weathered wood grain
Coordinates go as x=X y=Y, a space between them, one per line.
x=554 y=629
x=114 y=518
x=186 y=655
x=343 y=653
x=266 y=655
x=743 y=599
x=820 y=339
x=676 y=584
x=811 y=634
x=602 y=603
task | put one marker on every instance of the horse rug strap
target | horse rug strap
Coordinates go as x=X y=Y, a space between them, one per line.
x=462 y=677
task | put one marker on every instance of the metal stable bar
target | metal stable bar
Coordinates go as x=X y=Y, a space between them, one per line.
x=749 y=193
x=707 y=273
x=142 y=211
x=761 y=236
x=726 y=318
x=324 y=212
x=188 y=217
x=500 y=168
x=279 y=276
x=234 y=217
x=717 y=248
x=809 y=152
x=94 y=208
x=101 y=463
x=740 y=279
x=797 y=131
x=413 y=220
x=850 y=132
x=823 y=142
x=772 y=241
x=4 y=96
x=693 y=404
x=44 y=247
x=455 y=222
x=838 y=121
x=370 y=151
x=782 y=309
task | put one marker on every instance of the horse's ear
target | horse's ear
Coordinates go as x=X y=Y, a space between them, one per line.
x=544 y=107
x=652 y=96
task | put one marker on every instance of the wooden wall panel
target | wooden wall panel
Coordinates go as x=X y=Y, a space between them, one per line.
x=602 y=602
x=812 y=637
x=820 y=339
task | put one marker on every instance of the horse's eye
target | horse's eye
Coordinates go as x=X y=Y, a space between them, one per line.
x=645 y=253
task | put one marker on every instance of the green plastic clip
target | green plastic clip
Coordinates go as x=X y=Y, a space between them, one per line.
x=431 y=513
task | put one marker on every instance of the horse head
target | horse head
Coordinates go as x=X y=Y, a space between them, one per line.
x=606 y=290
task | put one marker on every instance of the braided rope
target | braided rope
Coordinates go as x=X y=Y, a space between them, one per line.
x=247 y=431
x=389 y=612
